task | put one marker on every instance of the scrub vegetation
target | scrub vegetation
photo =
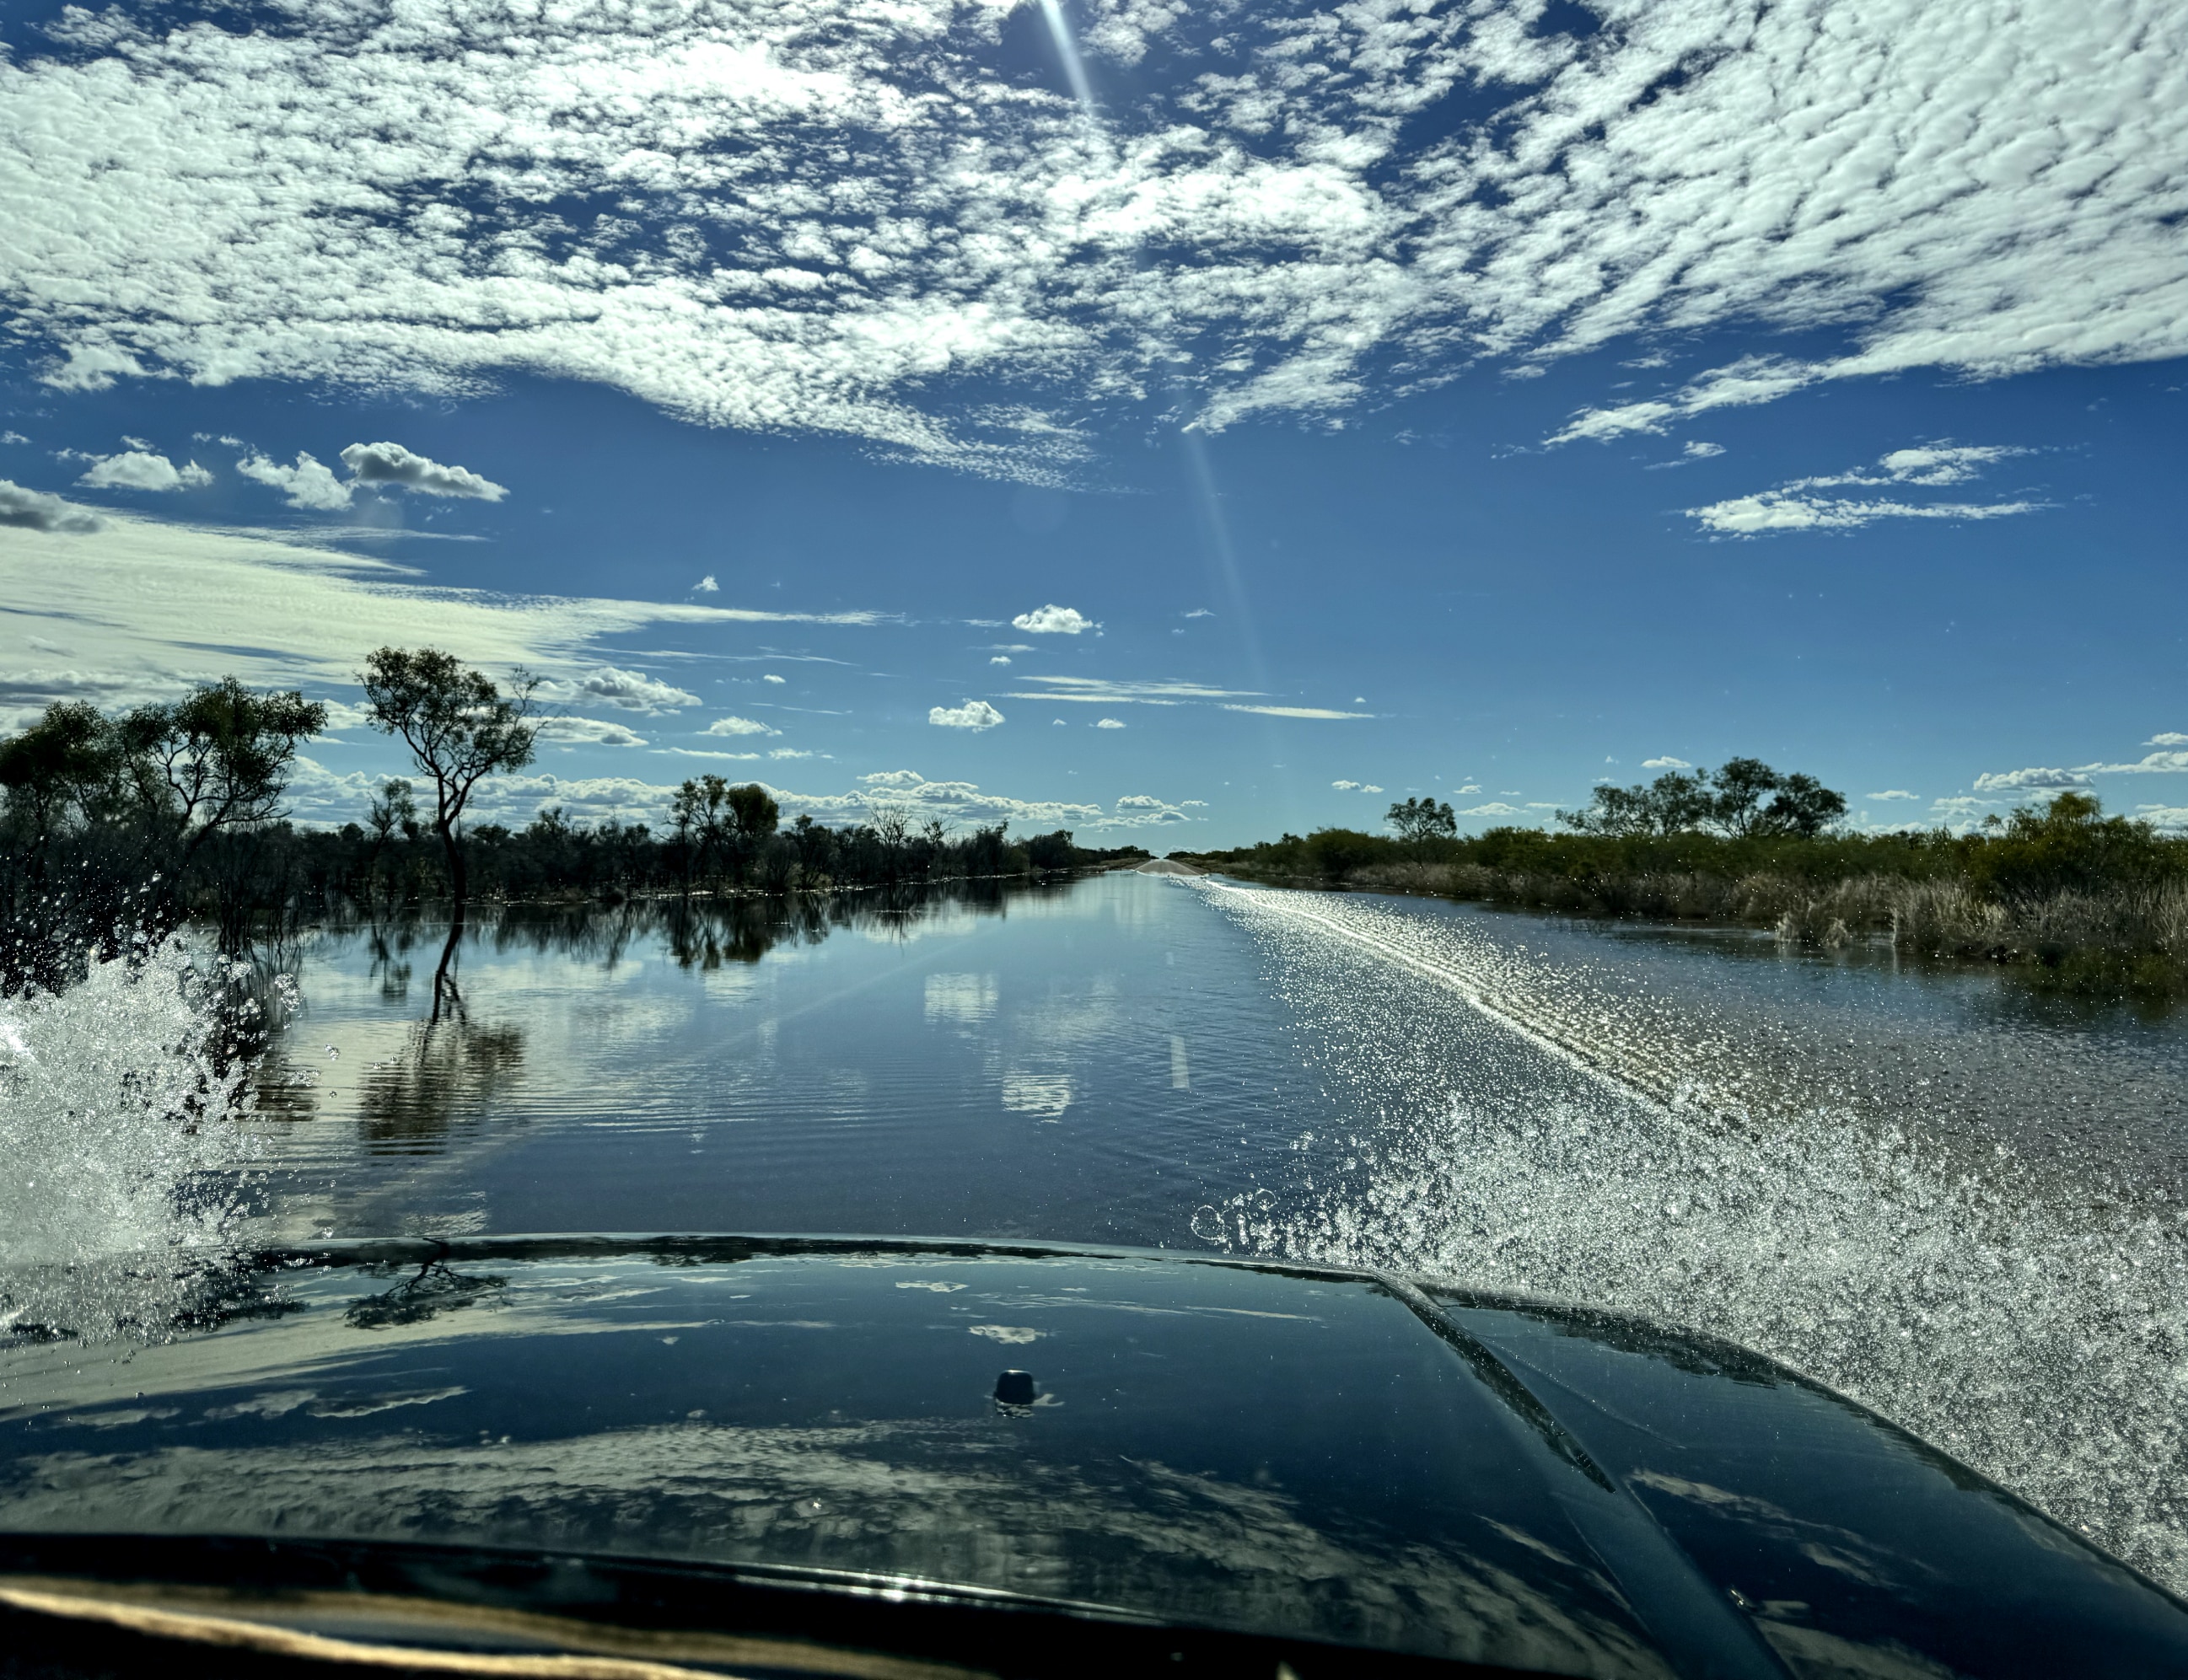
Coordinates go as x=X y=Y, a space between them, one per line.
x=2072 y=899
x=114 y=827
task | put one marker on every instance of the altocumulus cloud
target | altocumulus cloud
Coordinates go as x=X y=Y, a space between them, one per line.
x=973 y=714
x=217 y=202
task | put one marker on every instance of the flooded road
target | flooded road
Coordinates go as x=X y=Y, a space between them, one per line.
x=1955 y=1200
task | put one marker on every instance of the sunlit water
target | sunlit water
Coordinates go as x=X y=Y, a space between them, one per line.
x=1540 y=1121
x=1949 y=1198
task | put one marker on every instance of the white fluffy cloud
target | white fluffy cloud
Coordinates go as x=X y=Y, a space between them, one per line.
x=311 y=483
x=849 y=217
x=36 y=510
x=322 y=795
x=2171 y=759
x=1053 y=620
x=1144 y=810
x=1109 y=723
x=139 y=470
x=308 y=484
x=2034 y=779
x=588 y=732
x=2151 y=763
x=1889 y=793
x=1356 y=787
x=1665 y=762
x=973 y=714
x=628 y=691
x=733 y=724
x=392 y=464
x=956 y=803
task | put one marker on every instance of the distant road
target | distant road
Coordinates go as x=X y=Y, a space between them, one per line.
x=1166 y=867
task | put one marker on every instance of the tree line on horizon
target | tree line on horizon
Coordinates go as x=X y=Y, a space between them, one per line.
x=2079 y=900
x=115 y=823
x=1743 y=799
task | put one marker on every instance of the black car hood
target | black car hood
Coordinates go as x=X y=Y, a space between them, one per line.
x=1396 y=1465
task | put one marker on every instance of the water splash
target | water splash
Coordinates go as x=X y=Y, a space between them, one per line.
x=124 y=1185
x=1532 y=1134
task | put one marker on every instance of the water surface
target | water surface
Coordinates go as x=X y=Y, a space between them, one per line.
x=1091 y=1061
x=1954 y=1199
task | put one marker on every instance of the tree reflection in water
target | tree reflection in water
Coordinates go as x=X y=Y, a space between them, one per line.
x=430 y=1291
x=454 y=1069
x=707 y=933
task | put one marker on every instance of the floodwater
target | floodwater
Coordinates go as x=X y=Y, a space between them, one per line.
x=1087 y=1061
x=1956 y=1200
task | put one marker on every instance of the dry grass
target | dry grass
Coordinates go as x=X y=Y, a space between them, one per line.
x=2132 y=940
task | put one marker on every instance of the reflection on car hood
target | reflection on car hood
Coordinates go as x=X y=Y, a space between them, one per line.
x=1402 y=1465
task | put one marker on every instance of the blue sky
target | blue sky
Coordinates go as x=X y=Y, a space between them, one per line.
x=1191 y=426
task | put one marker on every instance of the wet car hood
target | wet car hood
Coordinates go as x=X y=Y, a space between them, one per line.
x=1397 y=1465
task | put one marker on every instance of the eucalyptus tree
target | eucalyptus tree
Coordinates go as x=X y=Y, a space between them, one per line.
x=62 y=766
x=217 y=759
x=1728 y=801
x=1420 y=819
x=460 y=728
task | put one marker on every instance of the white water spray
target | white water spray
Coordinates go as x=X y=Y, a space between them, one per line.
x=120 y=1153
x=2034 y=1326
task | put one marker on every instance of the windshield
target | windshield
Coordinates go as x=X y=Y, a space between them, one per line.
x=1521 y=643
